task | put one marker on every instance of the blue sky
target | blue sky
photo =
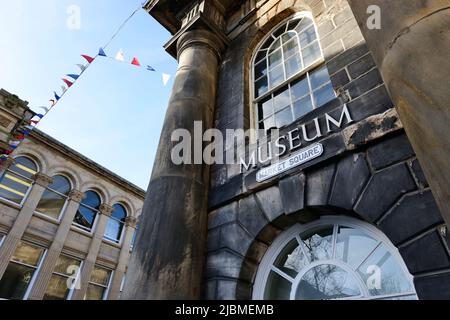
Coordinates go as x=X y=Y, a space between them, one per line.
x=114 y=113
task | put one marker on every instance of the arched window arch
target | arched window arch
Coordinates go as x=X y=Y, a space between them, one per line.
x=289 y=75
x=55 y=197
x=88 y=210
x=333 y=258
x=17 y=179
x=116 y=223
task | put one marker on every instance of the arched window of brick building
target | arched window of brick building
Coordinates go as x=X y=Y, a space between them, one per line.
x=289 y=75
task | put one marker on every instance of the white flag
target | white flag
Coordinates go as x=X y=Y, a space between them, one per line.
x=63 y=88
x=82 y=67
x=45 y=108
x=166 y=77
x=120 y=56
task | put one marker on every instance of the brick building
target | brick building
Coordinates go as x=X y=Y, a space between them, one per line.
x=354 y=219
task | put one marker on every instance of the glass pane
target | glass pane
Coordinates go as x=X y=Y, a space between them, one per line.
x=15 y=281
x=27 y=254
x=353 y=246
x=261 y=86
x=265 y=108
x=324 y=95
x=113 y=230
x=284 y=117
x=307 y=36
x=306 y=22
x=94 y=292
x=311 y=54
x=51 y=204
x=281 y=100
x=119 y=212
x=66 y=265
x=13 y=187
x=24 y=166
x=319 y=78
x=60 y=184
x=280 y=31
x=293 y=65
x=269 y=123
x=300 y=89
x=91 y=199
x=288 y=36
x=57 y=288
x=318 y=243
x=275 y=58
x=302 y=107
x=293 y=23
x=261 y=69
x=291 y=48
x=291 y=260
x=327 y=282
x=276 y=76
x=85 y=217
x=261 y=55
x=100 y=276
x=277 y=287
x=383 y=275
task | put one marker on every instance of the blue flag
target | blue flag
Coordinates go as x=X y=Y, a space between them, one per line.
x=73 y=76
x=39 y=115
x=101 y=53
x=149 y=68
x=56 y=96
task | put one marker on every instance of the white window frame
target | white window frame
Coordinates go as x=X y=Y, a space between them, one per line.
x=77 y=276
x=63 y=209
x=108 y=286
x=119 y=242
x=94 y=223
x=266 y=265
x=254 y=119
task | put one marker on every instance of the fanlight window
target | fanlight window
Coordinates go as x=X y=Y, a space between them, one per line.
x=116 y=223
x=55 y=197
x=289 y=80
x=17 y=180
x=333 y=259
x=88 y=211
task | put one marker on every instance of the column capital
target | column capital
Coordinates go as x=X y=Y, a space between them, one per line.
x=106 y=209
x=76 y=195
x=202 y=37
x=131 y=222
x=43 y=179
x=6 y=163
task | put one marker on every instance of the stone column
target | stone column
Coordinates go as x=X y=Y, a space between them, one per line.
x=412 y=51
x=23 y=219
x=167 y=260
x=94 y=248
x=53 y=253
x=124 y=257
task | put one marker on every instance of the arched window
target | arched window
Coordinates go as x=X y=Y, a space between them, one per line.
x=55 y=197
x=88 y=211
x=333 y=259
x=17 y=179
x=116 y=223
x=289 y=76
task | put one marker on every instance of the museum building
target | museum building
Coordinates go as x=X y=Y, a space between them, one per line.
x=352 y=218
x=67 y=224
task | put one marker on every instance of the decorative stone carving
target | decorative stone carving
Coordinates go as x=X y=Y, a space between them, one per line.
x=106 y=209
x=43 y=179
x=76 y=195
x=131 y=222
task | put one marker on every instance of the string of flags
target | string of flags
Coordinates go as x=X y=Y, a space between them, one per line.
x=26 y=126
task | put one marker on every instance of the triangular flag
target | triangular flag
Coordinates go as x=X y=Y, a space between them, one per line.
x=34 y=122
x=135 y=62
x=166 y=77
x=56 y=97
x=69 y=84
x=45 y=108
x=149 y=68
x=73 y=76
x=39 y=115
x=52 y=101
x=120 y=56
x=82 y=67
x=14 y=143
x=20 y=136
x=88 y=58
x=101 y=52
x=63 y=88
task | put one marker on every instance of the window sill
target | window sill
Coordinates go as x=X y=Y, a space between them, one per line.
x=112 y=243
x=47 y=218
x=81 y=231
x=10 y=204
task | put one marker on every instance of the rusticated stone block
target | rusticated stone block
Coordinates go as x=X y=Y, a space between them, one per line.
x=351 y=176
x=270 y=202
x=390 y=151
x=223 y=215
x=318 y=186
x=223 y=264
x=434 y=287
x=292 y=192
x=251 y=217
x=233 y=237
x=414 y=214
x=384 y=188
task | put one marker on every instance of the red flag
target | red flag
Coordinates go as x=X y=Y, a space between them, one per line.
x=135 y=62
x=69 y=84
x=8 y=151
x=19 y=137
x=33 y=122
x=88 y=58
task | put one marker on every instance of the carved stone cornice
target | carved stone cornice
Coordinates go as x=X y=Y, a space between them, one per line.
x=42 y=179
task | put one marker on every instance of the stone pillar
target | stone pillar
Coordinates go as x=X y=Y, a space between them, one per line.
x=23 y=219
x=167 y=260
x=124 y=257
x=94 y=248
x=412 y=51
x=53 y=253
